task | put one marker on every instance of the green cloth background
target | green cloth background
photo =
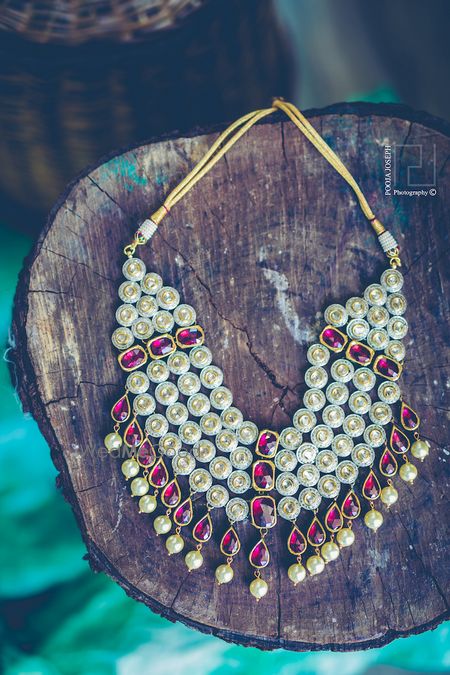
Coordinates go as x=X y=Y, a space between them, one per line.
x=58 y=617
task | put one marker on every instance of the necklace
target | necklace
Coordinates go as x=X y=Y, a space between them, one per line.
x=189 y=452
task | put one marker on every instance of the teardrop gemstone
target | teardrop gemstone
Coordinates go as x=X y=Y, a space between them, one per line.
x=267 y=443
x=259 y=555
x=359 y=353
x=121 y=410
x=263 y=512
x=132 y=358
x=263 y=475
x=387 y=367
x=171 y=494
x=161 y=346
x=183 y=514
x=133 y=434
x=316 y=534
x=371 y=487
x=399 y=441
x=388 y=463
x=230 y=543
x=203 y=529
x=159 y=475
x=351 y=508
x=333 y=519
x=409 y=418
x=189 y=337
x=333 y=338
x=296 y=542
x=146 y=455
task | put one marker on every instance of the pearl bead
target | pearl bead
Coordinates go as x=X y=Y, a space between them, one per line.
x=130 y=468
x=315 y=564
x=174 y=544
x=194 y=560
x=345 y=537
x=408 y=472
x=329 y=551
x=296 y=573
x=420 y=449
x=258 y=588
x=113 y=442
x=389 y=495
x=139 y=487
x=224 y=574
x=162 y=524
x=373 y=519
x=147 y=504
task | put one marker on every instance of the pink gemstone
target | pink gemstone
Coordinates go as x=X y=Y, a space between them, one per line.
x=333 y=338
x=387 y=367
x=203 y=529
x=230 y=542
x=183 y=514
x=371 y=487
x=399 y=442
x=263 y=512
x=296 y=542
x=161 y=346
x=316 y=533
x=171 y=494
x=360 y=353
x=388 y=464
x=189 y=337
x=334 y=520
x=267 y=444
x=259 y=555
x=351 y=507
x=132 y=358
x=410 y=419
x=146 y=455
x=159 y=475
x=263 y=475
x=133 y=435
x=121 y=410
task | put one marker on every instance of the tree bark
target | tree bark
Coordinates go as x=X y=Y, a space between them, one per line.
x=259 y=247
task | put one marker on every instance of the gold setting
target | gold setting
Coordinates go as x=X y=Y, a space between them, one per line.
x=158 y=337
x=272 y=467
x=231 y=555
x=386 y=377
x=259 y=567
x=277 y=442
x=395 y=463
x=334 y=506
x=175 y=519
x=357 y=501
x=333 y=349
x=171 y=482
x=405 y=405
x=315 y=520
x=361 y=344
x=125 y=396
x=129 y=349
x=208 y=518
x=197 y=344
x=302 y=537
x=275 y=517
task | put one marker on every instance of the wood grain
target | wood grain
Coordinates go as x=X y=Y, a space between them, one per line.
x=260 y=247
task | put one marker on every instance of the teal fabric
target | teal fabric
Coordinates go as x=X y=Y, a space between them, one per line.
x=59 y=618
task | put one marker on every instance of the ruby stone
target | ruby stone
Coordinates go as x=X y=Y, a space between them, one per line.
x=161 y=346
x=333 y=339
x=146 y=454
x=316 y=534
x=351 y=507
x=259 y=555
x=203 y=529
x=371 y=487
x=263 y=475
x=267 y=444
x=296 y=542
x=410 y=419
x=360 y=353
x=183 y=514
x=121 y=410
x=171 y=494
x=399 y=442
x=133 y=435
x=230 y=544
x=387 y=368
x=264 y=512
x=388 y=463
x=189 y=337
x=334 y=519
x=159 y=475
x=132 y=358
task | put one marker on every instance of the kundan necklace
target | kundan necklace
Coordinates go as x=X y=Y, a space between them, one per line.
x=189 y=451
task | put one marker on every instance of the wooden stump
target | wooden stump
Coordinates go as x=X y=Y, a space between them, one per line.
x=260 y=247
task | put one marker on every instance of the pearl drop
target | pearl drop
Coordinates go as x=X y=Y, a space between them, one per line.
x=130 y=468
x=345 y=537
x=420 y=449
x=329 y=551
x=389 y=495
x=408 y=472
x=113 y=442
x=224 y=574
x=147 y=504
x=162 y=524
x=193 y=560
x=296 y=573
x=174 y=544
x=139 y=487
x=258 y=588
x=373 y=519
x=315 y=564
